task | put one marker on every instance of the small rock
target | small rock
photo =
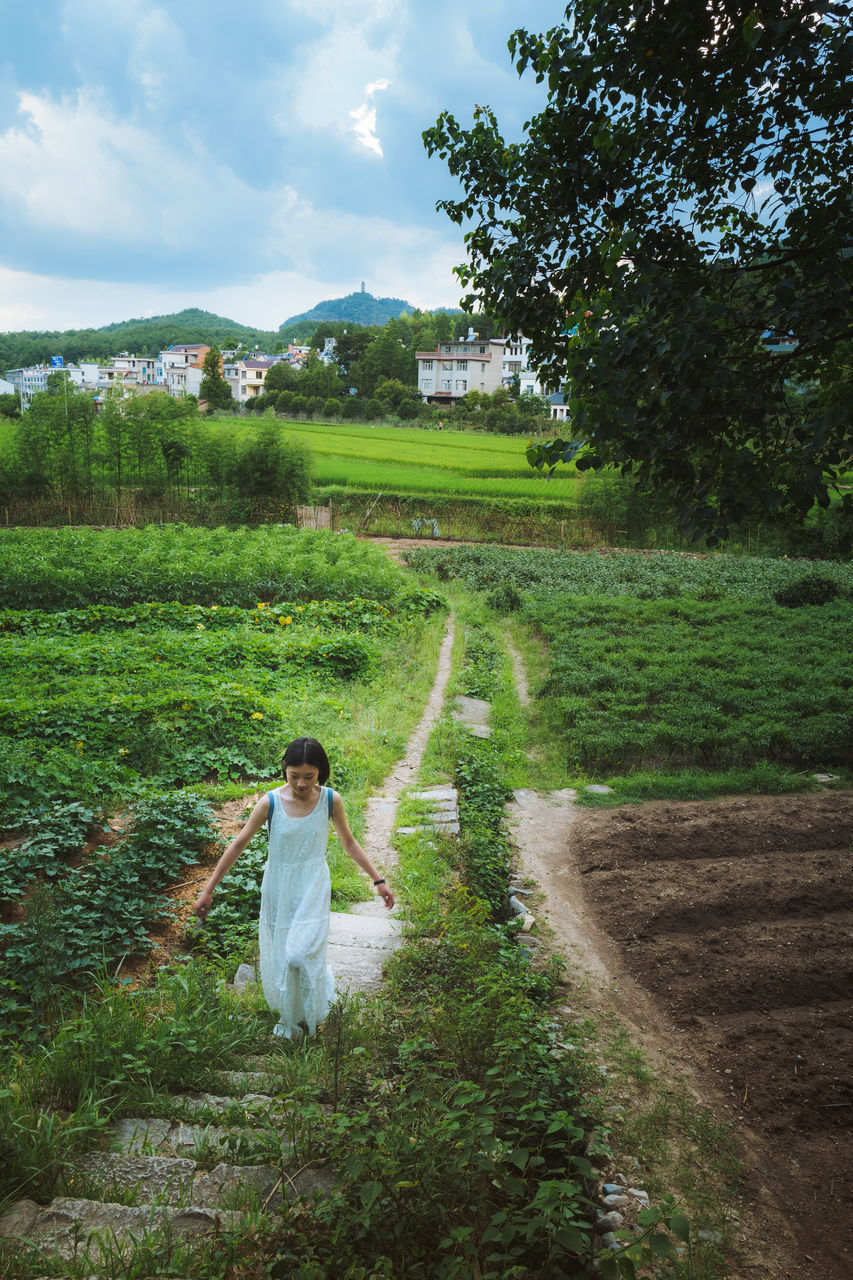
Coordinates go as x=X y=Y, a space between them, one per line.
x=244 y=975
x=516 y=907
x=616 y=1202
x=642 y=1196
x=712 y=1237
x=612 y=1188
x=523 y=795
x=825 y=777
x=598 y=789
x=609 y=1241
x=528 y=922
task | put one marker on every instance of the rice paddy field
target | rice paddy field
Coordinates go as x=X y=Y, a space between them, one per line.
x=423 y=461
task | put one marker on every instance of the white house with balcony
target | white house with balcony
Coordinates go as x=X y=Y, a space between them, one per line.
x=455 y=368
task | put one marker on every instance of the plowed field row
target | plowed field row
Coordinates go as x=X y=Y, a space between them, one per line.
x=737 y=918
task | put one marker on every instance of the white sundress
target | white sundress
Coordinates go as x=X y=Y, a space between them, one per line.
x=294 y=923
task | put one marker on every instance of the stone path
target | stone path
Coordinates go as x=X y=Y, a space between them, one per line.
x=223 y=1158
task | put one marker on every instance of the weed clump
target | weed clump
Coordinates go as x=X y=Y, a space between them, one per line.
x=814 y=588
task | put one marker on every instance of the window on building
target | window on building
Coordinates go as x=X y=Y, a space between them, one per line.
x=461 y=384
x=462 y=366
x=447 y=364
x=426 y=364
x=482 y=351
x=447 y=384
x=447 y=351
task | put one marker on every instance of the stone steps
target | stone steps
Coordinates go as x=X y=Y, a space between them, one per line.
x=225 y=1161
x=70 y=1229
x=442 y=812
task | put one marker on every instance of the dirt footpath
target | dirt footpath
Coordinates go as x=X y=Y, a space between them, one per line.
x=727 y=926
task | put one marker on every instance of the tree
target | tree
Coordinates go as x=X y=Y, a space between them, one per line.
x=271 y=465
x=214 y=389
x=685 y=190
x=10 y=406
x=281 y=377
x=386 y=357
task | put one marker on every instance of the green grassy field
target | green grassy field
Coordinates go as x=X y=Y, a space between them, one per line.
x=669 y=662
x=417 y=460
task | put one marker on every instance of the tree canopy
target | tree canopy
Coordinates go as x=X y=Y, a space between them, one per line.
x=684 y=195
x=214 y=389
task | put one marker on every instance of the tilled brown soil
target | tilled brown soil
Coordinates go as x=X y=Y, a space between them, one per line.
x=736 y=917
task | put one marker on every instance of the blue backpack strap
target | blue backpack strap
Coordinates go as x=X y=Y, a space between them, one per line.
x=271 y=795
x=331 y=796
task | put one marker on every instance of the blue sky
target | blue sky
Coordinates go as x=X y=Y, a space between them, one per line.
x=249 y=159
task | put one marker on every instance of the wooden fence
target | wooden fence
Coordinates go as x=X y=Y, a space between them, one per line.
x=362 y=514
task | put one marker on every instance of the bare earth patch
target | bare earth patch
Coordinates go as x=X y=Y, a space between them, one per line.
x=722 y=931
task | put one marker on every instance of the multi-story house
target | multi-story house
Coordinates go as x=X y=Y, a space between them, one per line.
x=455 y=368
x=182 y=380
x=251 y=375
x=515 y=359
x=28 y=381
x=139 y=369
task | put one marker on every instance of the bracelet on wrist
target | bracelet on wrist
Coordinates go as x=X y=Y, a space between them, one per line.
x=378 y=882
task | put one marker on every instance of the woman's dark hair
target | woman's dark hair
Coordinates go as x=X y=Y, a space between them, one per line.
x=306 y=751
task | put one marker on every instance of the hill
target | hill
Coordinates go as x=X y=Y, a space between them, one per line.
x=359 y=308
x=145 y=336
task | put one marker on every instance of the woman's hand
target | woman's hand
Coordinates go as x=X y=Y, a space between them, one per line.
x=386 y=894
x=203 y=904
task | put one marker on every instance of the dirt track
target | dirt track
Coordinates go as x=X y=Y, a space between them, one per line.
x=729 y=925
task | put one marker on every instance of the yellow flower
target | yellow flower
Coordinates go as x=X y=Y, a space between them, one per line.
x=185 y=706
x=261 y=604
x=199 y=626
x=299 y=608
x=257 y=715
x=287 y=621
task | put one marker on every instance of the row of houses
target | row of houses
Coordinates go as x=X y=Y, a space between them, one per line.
x=177 y=370
x=445 y=374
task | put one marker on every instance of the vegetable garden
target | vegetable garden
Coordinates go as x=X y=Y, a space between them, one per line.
x=677 y=665
x=160 y=669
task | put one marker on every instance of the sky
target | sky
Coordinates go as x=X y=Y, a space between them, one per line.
x=251 y=160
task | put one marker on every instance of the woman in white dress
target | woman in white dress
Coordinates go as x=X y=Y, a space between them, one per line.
x=295 y=892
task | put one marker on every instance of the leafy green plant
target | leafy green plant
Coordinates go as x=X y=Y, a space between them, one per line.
x=814 y=588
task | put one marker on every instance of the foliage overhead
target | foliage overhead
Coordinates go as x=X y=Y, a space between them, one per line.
x=685 y=189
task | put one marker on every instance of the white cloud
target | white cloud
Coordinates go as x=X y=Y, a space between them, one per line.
x=73 y=169
x=324 y=84
x=365 y=118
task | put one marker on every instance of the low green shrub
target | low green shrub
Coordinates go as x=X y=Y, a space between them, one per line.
x=814 y=588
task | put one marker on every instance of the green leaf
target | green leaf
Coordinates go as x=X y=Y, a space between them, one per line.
x=679 y=1225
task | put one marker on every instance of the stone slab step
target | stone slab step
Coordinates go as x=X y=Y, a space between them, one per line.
x=141 y=1135
x=471 y=711
x=166 y=1180
x=371 y=932
x=249 y=1082
x=443 y=828
x=247 y=1104
x=66 y=1227
x=437 y=795
x=359 y=946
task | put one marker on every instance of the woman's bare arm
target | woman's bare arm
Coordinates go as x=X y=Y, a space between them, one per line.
x=355 y=851
x=257 y=818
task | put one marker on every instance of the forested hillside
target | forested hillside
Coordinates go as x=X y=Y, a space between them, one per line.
x=142 y=336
